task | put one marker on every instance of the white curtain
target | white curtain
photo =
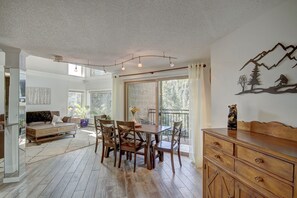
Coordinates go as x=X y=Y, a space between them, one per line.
x=117 y=98
x=199 y=88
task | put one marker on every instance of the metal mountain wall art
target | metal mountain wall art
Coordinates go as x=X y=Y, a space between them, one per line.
x=272 y=71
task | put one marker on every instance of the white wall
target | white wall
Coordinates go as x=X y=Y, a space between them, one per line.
x=99 y=83
x=230 y=53
x=46 y=65
x=59 y=84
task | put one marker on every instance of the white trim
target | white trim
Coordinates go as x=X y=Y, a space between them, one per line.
x=14 y=179
x=97 y=90
x=57 y=76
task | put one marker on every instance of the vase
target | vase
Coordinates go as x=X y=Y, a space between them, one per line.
x=84 y=122
x=133 y=118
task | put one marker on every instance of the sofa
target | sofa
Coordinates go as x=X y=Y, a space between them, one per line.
x=40 y=126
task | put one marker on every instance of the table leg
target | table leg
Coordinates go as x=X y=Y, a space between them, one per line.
x=160 y=154
x=148 y=154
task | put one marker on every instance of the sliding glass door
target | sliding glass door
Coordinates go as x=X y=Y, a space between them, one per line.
x=160 y=102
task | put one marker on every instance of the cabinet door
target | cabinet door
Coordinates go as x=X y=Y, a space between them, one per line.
x=217 y=183
x=242 y=191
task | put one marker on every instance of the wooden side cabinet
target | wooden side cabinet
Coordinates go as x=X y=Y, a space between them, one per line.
x=242 y=191
x=259 y=160
x=217 y=182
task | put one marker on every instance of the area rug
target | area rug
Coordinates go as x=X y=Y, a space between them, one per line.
x=83 y=138
x=34 y=152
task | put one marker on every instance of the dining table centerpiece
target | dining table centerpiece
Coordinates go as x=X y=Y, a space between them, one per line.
x=134 y=110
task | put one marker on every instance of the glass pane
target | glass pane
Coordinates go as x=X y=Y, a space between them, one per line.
x=143 y=97
x=75 y=70
x=73 y=99
x=97 y=72
x=100 y=103
x=174 y=106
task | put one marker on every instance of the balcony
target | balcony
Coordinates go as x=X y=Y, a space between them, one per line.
x=167 y=117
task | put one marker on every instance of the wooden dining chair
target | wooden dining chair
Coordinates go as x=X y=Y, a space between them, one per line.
x=109 y=139
x=98 y=128
x=170 y=146
x=129 y=141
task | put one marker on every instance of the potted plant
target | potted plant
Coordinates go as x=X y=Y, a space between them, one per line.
x=81 y=112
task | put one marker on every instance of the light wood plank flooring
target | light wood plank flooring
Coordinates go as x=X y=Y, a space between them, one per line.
x=80 y=174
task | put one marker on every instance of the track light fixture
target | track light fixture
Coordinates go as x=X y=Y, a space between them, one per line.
x=171 y=64
x=139 y=63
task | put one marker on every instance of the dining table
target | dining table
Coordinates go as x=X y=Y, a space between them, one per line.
x=149 y=130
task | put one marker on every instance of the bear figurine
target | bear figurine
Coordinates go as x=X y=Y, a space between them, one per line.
x=232 y=117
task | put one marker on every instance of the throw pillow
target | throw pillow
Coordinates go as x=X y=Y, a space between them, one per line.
x=66 y=119
x=56 y=119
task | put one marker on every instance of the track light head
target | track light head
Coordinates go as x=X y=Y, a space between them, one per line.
x=139 y=63
x=170 y=62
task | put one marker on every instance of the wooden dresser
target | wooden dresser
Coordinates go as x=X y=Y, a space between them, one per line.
x=257 y=160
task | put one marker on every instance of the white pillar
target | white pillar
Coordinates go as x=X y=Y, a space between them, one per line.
x=14 y=142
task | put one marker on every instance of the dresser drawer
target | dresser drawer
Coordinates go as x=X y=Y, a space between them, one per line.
x=225 y=146
x=263 y=180
x=276 y=166
x=222 y=159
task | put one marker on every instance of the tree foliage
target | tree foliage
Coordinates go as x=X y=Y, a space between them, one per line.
x=175 y=94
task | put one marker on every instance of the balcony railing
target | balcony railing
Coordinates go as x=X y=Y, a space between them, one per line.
x=168 y=116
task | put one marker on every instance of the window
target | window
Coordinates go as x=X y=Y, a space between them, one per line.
x=96 y=72
x=75 y=70
x=74 y=97
x=100 y=102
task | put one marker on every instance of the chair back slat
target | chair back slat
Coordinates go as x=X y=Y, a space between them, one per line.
x=97 y=122
x=176 y=133
x=108 y=131
x=126 y=131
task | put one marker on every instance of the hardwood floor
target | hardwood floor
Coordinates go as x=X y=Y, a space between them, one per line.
x=80 y=174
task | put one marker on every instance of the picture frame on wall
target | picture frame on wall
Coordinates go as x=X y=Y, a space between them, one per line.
x=38 y=95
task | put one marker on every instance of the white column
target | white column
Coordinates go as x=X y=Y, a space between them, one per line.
x=14 y=170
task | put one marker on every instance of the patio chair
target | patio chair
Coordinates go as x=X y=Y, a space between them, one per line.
x=171 y=146
x=98 y=128
x=109 y=138
x=129 y=141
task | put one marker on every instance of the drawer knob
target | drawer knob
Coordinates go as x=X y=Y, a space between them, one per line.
x=216 y=143
x=259 y=160
x=259 y=179
x=217 y=156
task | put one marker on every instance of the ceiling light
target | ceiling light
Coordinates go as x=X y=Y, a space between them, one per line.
x=139 y=63
x=61 y=59
x=170 y=62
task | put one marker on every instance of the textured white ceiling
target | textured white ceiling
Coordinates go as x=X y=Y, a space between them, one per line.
x=103 y=31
